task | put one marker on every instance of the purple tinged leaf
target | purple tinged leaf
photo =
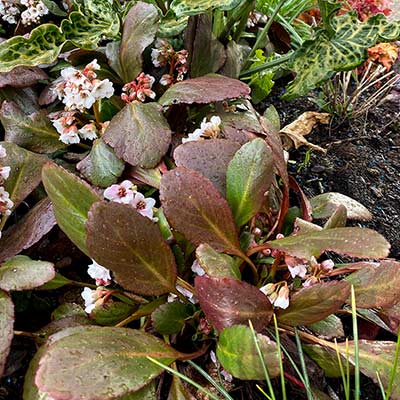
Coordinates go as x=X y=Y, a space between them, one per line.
x=203 y=90
x=237 y=353
x=227 y=302
x=6 y=328
x=208 y=157
x=355 y=242
x=28 y=230
x=140 y=28
x=22 y=273
x=20 y=77
x=194 y=207
x=72 y=199
x=139 y=134
x=376 y=285
x=314 y=303
x=94 y=363
x=132 y=247
x=33 y=132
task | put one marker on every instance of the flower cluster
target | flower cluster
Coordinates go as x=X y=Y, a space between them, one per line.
x=368 y=8
x=79 y=90
x=126 y=193
x=9 y=12
x=67 y=126
x=277 y=293
x=210 y=129
x=138 y=89
x=6 y=204
x=164 y=55
x=35 y=9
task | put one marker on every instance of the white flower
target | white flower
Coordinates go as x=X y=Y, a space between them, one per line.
x=3 y=152
x=5 y=172
x=6 y=204
x=70 y=135
x=99 y=273
x=8 y=11
x=121 y=193
x=196 y=268
x=327 y=265
x=196 y=135
x=88 y=131
x=209 y=129
x=143 y=205
x=282 y=300
x=35 y=10
x=298 y=270
x=187 y=293
x=102 y=89
x=89 y=296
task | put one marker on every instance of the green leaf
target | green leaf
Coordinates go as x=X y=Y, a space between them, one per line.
x=343 y=49
x=193 y=7
x=139 y=134
x=6 y=328
x=22 y=273
x=148 y=392
x=271 y=115
x=203 y=90
x=72 y=199
x=67 y=310
x=215 y=264
x=119 y=353
x=171 y=26
x=376 y=285
x=121 y=239
x=261 y=86
x=101 y=167
x=208 y=157
x=169 y=318
x=24 y=175
x=314 y=303
x=248 y=178
x=111 y=313
x=31 y=391
x=28 y=230
x=338 y=219
x=238 y=354
x=33 y=132
x=329 y=328
x=324 y=205
x=355 y=242
x=194 y=207
x=228 y=301
x=140 y=28
x=54 y=8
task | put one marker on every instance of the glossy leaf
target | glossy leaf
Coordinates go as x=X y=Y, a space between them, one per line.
x=6 y=328
x=169 y=318
x=139 y=134
x=208 y=157
x=57 y=282
x=203 y=90
x=22 y=273
x=194 y=207
x=132 y=246
x=227 y=302
x=72 y=199
x=111 y=313
x=22 y=77
x=140 y=28
x=329 y=328
x=355 y=242
x=324 y=205
x=342 y=50
x=314 y=303
x=326 y=359
x=33 y=132
x=148 y=392
x=170 y=25
x=28 y=230
x=101 y=166
x=31 y=391
x=237 y=353
x=78 y=354
x=24 y=175
x=376 y=285
x=194 y=7
x=216 y=264
x=248 y=178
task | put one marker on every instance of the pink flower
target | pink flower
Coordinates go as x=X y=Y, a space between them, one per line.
x=5 y=172
x=6 y=204
x=121 y=193
x=197 y=269
x=138 y=89
x=99 y=273
x=90 y=297
x=88 y=131
x=296 y=266
x=143 y=205
x=328 y=265
x=3 y=152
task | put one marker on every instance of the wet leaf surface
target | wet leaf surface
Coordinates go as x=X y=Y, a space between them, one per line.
x=73 y=358
x=22 y=77
x=72 y=199
x=139 y=134
x=132 y=247
x=194 y=207
x=314 y=303
x=237 y=353
x=23 y=273
x=169 y=318
x=203 y=90
x=227 y=302
x=6 y=328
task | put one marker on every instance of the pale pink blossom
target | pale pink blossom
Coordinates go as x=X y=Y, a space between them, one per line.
x=6 y=204
x=296 y=266
x=327 y=265
x=70 y=135
x=209 y=129
x=5 y=172
x=121 y=193
x=277 y=295
x=3 y=152
x=99 y=273
x=282 y=301
x=197 y=269
x=88 y=131
x=187 y=293
x=90 y=297
x=143 y=205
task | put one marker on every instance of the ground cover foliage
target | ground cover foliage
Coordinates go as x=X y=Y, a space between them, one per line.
x=148 y=217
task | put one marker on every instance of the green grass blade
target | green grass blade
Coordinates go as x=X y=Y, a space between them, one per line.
x=282 y=374
x=303 y=365
x=356 y=349
x=380 y=384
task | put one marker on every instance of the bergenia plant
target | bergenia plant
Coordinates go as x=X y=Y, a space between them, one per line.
x=172 y=207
